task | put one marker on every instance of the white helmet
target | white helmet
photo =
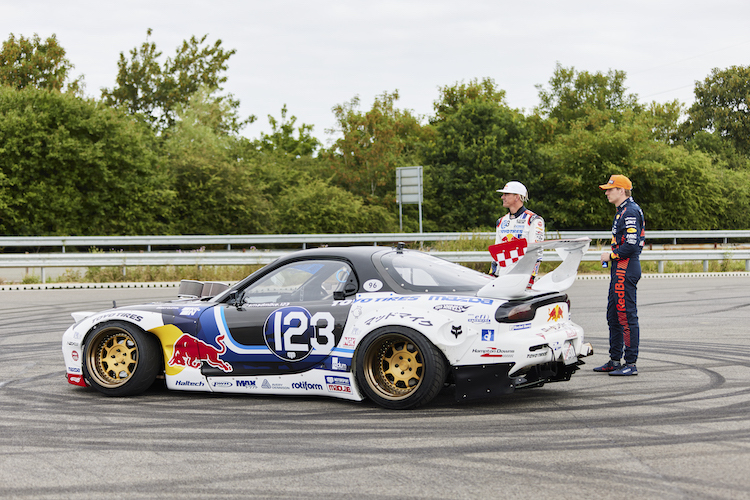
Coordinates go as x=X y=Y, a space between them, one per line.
x=515 y=187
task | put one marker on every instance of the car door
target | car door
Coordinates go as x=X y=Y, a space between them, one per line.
x=287 y=321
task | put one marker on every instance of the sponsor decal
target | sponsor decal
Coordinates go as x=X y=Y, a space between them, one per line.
x=448 y=298
x=451 y=307
x=74 y=369
x=189 y=311
x=192 y=352
x=392 y=298
x=336 y=365
x=419 y=320
x=488 y=335
x=555 y=314
x=275 y=386
x=520 y=326
x=552 y=328
x=266 y=304
x=338 y=384
x=188 y=383
x=248 y=384
x=348 y=342
x=292 y=333
x=222 y=384
x=76 y=380
x=307 y=386
x=536 y=355
x=372 y=285
x=492 y=352
x=456 y=331
x=126 y=315
x=74 y=355
x=479 y=318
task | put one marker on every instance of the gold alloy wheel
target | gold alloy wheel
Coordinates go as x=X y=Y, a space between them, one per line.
x=112 y=357
x=394 y=367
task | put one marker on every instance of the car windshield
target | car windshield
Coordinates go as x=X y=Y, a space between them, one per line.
x=420 y=272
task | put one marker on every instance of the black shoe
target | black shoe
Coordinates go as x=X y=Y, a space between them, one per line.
x=609 y=366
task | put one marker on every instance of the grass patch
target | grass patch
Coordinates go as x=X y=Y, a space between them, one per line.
x=156 y=273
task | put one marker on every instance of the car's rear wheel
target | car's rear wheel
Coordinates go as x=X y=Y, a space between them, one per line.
x=399 y=368
x=121 y=359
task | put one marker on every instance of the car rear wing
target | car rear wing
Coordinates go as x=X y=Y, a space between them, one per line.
x=513 y=280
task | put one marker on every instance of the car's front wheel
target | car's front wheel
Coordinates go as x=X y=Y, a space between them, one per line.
x=399 y=368
x=121 y=359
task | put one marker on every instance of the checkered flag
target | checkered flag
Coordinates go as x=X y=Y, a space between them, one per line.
x=509 y=252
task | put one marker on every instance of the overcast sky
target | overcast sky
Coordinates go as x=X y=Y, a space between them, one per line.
x=313 y=55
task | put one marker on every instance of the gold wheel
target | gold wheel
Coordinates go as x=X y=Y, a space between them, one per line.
x=394 y=367
x=112 y=357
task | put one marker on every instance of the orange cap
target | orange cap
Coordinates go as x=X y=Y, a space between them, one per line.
x=617 y=181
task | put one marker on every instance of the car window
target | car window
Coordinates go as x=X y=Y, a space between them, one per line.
x=299 y=282
x=417 y=271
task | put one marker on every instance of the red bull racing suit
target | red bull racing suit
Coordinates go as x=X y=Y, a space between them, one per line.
x=522 y=224
x=628 y=237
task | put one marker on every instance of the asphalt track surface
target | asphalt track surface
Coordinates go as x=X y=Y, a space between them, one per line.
x=680 y=429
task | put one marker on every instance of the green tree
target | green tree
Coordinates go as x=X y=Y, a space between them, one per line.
x=452 y=97
x=314 y=206
x=73 y=166
x=479 y=144
x=220 y=192
x=282 y=138
x=573 y=95
x=721 y=107
x=153 y=91
x=371 y=145
x=29 y=62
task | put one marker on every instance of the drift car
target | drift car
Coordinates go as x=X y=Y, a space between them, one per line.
x=389 y=324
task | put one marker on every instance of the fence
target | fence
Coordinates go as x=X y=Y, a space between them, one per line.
x=229 y=257
x=302 y=240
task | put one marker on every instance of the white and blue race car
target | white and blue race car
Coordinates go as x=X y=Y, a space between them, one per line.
x=388 y=324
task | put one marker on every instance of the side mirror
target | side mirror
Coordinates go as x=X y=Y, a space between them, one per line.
x=349 y=289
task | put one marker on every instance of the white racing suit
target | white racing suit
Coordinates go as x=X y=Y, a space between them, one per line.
x=522 y=224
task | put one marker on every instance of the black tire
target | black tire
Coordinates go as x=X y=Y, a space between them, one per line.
x=120 y=359
x=399 y=368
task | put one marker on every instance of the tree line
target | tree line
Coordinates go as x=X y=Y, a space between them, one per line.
x=161 y=152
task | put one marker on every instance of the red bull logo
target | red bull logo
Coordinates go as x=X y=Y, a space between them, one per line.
x=192 y=352
x=555 y=314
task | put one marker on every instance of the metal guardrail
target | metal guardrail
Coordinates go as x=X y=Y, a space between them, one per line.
x=238 y=258
x=250 y=240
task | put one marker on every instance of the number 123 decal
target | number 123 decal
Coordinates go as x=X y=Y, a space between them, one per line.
x=292 y=333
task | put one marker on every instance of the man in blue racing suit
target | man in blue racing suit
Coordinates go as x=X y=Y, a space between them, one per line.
x=628 y=237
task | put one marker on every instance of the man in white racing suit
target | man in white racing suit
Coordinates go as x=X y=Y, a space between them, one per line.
x=519 y=222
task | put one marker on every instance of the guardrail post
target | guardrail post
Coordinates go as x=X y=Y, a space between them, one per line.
x=661 y=267
x=747 y=265
x=44 y=280
x=705 y=266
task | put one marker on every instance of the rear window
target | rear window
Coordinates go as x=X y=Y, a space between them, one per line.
x=420 y=272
